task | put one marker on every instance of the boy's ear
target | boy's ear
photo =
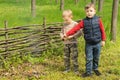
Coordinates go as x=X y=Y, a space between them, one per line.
x=71 y=16
x=95 y=10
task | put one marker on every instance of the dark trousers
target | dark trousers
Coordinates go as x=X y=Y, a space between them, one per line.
x=92 y=56
x=71 y=50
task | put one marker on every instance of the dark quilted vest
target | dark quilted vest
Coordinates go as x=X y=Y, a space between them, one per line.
x=92 y=33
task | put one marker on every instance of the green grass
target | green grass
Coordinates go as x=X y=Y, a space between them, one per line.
x=52 y=66
x=18 y=13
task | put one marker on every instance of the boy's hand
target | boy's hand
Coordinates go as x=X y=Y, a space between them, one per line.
x=69 y=37
x=103 y=43
x=65 y=38
x=61 y=36
x=64 y=35
x=62 y=39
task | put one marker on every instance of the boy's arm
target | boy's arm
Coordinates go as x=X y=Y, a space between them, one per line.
x=75 y=29
x=78 y=33
x=102 y=30
x=62 y=33
x=102 y=33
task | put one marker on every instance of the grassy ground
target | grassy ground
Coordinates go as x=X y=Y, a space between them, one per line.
x=50 y=66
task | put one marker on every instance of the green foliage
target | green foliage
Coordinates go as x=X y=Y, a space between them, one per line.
x=13 y=60
x=32 y=59
x=55 y=49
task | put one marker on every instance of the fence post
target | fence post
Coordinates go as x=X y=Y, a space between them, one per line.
x=44 y=24
x=6 y=36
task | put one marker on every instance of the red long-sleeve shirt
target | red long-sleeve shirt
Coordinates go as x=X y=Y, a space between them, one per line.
x=81 y=25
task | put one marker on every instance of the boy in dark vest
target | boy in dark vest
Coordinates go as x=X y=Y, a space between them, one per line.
x=94 y=35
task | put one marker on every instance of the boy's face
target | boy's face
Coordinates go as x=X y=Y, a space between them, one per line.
x=90 y=12
x=67 y=17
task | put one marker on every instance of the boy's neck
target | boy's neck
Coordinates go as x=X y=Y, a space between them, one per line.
x=69 y=22
x=91 y=17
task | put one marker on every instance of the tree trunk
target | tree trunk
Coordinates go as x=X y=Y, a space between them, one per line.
x=33 y=7
x=100 y=5
x=114 y=20
x=56 y=1
x=76 y=1
x=61 y=5
x=93 y=1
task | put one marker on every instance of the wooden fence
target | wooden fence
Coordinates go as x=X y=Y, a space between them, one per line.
x=30 y=38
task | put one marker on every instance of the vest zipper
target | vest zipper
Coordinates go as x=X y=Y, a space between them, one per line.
x=92 y=27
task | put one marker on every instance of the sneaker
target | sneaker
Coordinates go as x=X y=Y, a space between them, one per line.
x=97 y=72
x=86 y=75
x=66 y=71
x=77 y=73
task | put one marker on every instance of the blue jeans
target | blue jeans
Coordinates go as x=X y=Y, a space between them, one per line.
x=92 y=56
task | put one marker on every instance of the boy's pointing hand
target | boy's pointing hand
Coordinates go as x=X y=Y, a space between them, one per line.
x=65 y=35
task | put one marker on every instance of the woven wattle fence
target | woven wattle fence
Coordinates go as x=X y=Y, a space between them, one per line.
x=30 y=38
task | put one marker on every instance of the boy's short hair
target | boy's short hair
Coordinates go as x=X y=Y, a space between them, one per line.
x=90 y=5
x=68 y=12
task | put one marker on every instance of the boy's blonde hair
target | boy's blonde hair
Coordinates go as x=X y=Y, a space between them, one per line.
x=90 y=5
x=67 y=12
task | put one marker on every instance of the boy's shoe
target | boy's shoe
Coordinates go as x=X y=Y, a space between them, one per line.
x=77 y=73
x=66 y=71
x=86 y=75
x=97 y=72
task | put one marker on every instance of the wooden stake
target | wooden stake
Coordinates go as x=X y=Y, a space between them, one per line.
x=6 y=36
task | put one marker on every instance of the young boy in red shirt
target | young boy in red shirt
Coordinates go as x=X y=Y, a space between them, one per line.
x=94 y=35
